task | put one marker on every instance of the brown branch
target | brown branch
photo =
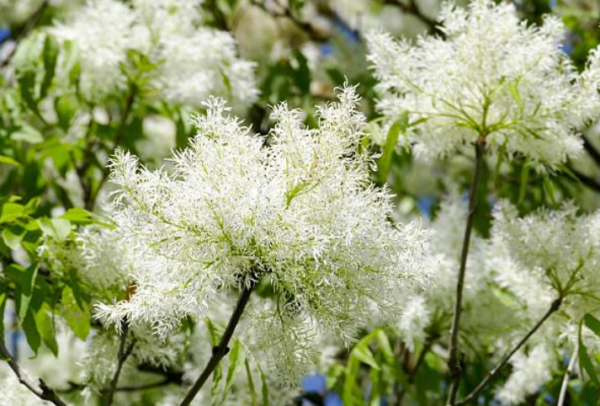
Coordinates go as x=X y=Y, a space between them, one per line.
x=494 y=371
x=42 y=390
x=454 y=360
x=124 y=353
x=222 y=348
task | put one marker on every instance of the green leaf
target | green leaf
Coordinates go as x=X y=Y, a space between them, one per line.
x=364 y=354
x=78 y=319
x=516 y=95
x=31 y=332
x=384 y=345
x=71 y=62
x=585 y=361
x=302 y=73
x=391 y=141
x=78 y=216
x=32 y=205
x=27 y=288
x=27 y=81
x=250 y=383
x=218 y=372
x=50 y=56
x=12 y=236
x=8 y=160
x=235 y=356
x=24 y=279
x=352 y=394
x=57 y=228
x=505 y=297
x=3 y=297
x=28 y=53
x=592 y=323
x=10 y=212
x=66 y=108
x=226 y=81
x=524 y=181
x=28 y=134
x=45 y=324
x=264 y=387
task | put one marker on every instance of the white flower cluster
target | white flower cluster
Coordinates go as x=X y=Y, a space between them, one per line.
x=558 y=250
x=491 y=76
x=100 y=260
x=530 y=371
x=426 y=314
x=515 y=275
x=191 y=62
x=299 y=215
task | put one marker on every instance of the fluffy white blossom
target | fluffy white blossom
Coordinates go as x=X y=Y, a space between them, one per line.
x=101 y=32
x=100 y=360
x=491 y=76
x=98 y=257
x=558 y=248
x=415 y=318
x=299 y=215
x=530 y=371
x=426 y=314
x=190 y=62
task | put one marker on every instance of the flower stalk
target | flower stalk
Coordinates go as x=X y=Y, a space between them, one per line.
x=454 y=361
x=221 y=350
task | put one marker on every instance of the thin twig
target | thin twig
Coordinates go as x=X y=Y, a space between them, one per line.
x=42 y=390
x=124 y=353
x=454 y=361
x=494 y=371
x=565 y=383
x=222 y=348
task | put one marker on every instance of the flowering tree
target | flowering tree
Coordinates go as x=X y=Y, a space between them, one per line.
x=236 y=202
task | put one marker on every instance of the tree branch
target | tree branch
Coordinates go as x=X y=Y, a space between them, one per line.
x=494 y=371
x=454 y=361
x=43 y=391
x=124 y=353
x=222 y=348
